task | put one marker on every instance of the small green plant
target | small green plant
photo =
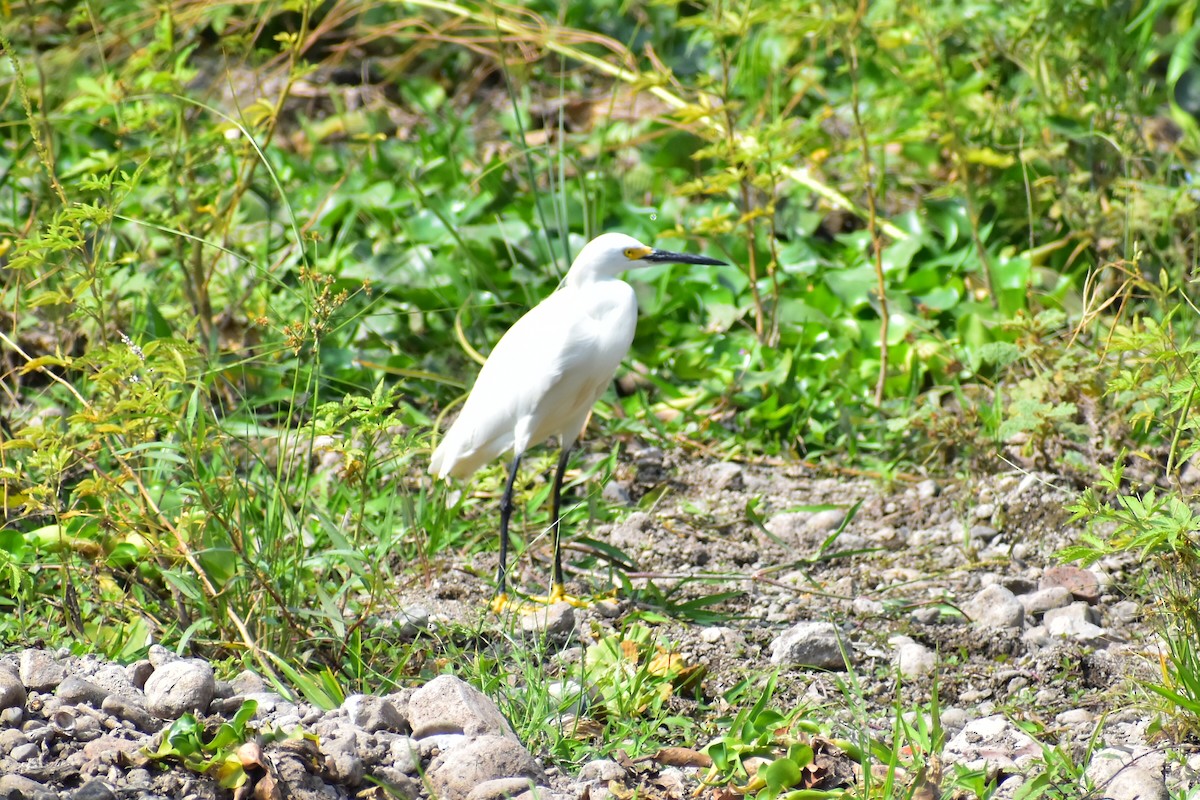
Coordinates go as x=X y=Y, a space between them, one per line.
x=769 y=754
x=234 y=748
x=634 y=675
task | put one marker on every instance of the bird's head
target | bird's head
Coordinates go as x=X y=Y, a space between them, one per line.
x=610 y=254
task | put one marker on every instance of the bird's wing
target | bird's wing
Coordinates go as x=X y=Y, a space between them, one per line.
x=551 y=363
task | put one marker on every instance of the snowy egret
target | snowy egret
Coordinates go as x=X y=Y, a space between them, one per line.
x=545 y=374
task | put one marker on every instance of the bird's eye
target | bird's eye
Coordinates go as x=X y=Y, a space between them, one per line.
x=631 y=253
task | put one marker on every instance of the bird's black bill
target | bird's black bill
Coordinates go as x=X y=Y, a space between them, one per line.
x=667 y=257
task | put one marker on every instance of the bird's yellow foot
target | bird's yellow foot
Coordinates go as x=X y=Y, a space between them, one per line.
x=558 y=594
x=501 y=603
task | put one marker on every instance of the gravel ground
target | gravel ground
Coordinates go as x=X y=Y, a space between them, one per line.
x=946 y=580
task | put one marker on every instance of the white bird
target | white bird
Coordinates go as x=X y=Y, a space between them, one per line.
x=545 y=374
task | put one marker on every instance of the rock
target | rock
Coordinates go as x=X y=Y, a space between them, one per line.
x=1119 y=775
x=94 y=789
x=129 y=709
x=927 y=489
x=39 y=671
x=995 y=607
x=10 y=738
x=617 y=494
x=556 y=622
x=342 y=762
x=247 y=682
x=500 y=789
x=404 y=754
x=430 y=746
x=12 y=716
x=24 y=752
x=809 y=644
x=982 y=533
x=1076 y=621
x=178 y=687
x=725 y=476
x=1079 y=612
x=374 y=714
x=1076 y=716
x=827 y=521
x=113 y=749
x=139 y=672
x=455 y=772
x=114 y=680
x=913 y=659
x=449 y=705
x=992 y=743
x=602 y=770
x=1041 y=601
x=12 y=691
x=954 y=718
x=412 y=619
x=160 y=656
x=789 y=526
x=18 y=786
x=1081 y=583
x=75 y=690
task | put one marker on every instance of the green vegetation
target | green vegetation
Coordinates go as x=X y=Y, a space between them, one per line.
x=249 y=253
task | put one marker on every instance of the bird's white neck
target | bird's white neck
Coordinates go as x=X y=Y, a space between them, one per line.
x=589 y=277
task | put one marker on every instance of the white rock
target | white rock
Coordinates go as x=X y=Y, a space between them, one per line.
x=1043 y=600
x=809 y=644
x=449 y=705
x=913 y=659
x=1120 y=775
x=39 y=671
x=995 y=607
x=992 y=743
x=456 y=772
x=178 y=687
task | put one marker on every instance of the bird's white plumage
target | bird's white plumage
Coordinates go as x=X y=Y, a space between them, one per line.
x=548 y=370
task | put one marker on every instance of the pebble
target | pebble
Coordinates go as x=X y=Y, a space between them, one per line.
x=1075 y=716
x=77 y=690
x=12 y=691
x=1122 y=775
x=455 y=772
x=827 y=521
x=602 y=770
x=178 y=687
x=927 y=489
x=1043 y=600
x=1074 y=622
x=23 y=752
x=94 y=789
x=913 y=659
x=1081 y=583
x=450 y=705
x=14 y=786
x=809 y=644
x=556 y=622
x=374 y=714
x=995 y=607
x=39 y=671
x=500 y=789
x=617 y=494
x=992 y=743
x=139 y=672
x=129 y=709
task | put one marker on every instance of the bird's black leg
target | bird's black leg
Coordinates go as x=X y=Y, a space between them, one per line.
x=506 y=509
x=557 y=590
